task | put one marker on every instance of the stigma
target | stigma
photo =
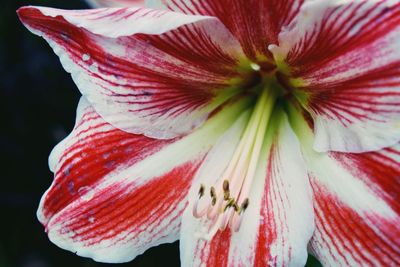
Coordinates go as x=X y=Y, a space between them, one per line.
x=225 y=202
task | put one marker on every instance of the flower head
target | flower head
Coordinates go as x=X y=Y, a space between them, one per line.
x=249 y=130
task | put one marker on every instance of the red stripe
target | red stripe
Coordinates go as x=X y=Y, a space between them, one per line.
x=334 y=39
x=267 y=234
x=87 y=161
x=121 y=208
x=369 y=95
x=219 y=249
x=255 y=23
x=159 y=79
x=380 y=170
x=352 y=233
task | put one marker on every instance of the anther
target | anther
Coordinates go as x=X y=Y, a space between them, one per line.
x=226 y=195
x=231 y=203
x=236 y=207
x=213 y=196
x=201 y=191
x=212 y=192
x=225 y=187
x=244 y=205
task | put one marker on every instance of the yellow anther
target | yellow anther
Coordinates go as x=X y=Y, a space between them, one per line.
x=231 y=203
x=225 y=187
x=226 y=195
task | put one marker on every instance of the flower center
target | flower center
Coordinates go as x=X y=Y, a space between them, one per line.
x=228 y=198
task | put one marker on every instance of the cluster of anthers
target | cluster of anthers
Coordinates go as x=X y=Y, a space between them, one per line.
x=221 y=202
x=229 y=196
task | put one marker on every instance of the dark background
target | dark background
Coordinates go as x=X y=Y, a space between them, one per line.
x=37 y=109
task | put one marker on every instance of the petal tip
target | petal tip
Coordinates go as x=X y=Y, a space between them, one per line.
x=25 y=12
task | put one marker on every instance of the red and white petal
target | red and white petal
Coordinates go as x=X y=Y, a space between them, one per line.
x=344 y=56
x=357 y=209
x=115 y=3
x=151 y=72
x=357 y=204
x=278 y=223
x=116 y=194
x=256 y=23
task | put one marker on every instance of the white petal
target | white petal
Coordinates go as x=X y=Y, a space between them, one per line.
x=343 y=58
x=278 y=223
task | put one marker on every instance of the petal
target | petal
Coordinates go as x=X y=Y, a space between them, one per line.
x=356 y=204
x=278 y=223
x=116 y=194
x=256 y=23
x=115 y=3
x=357 y=209
x=344 y=58
x=145 y=71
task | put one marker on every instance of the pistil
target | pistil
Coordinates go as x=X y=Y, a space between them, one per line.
x=229 y=196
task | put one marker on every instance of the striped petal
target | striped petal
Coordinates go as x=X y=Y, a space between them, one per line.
x=145 y=71
x=278 y=222
x=344 y=59
x=256 y=23
x=356 y=202
x=115 y=3
x=116 y=194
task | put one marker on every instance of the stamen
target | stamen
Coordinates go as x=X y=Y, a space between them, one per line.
x=212 y=192
x=213 y=201
x=225 y=187
x=196 y=212
x=230 y=195
x=230 y=204
x=236 y=207
x=201 y=191
x=238 y=217
x=244 y=205
x=213 y=196
x=225 y=220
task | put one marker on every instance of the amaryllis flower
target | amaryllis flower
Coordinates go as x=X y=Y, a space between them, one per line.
x=253 y=131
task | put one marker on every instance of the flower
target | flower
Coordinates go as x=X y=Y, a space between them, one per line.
x=249 y=130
